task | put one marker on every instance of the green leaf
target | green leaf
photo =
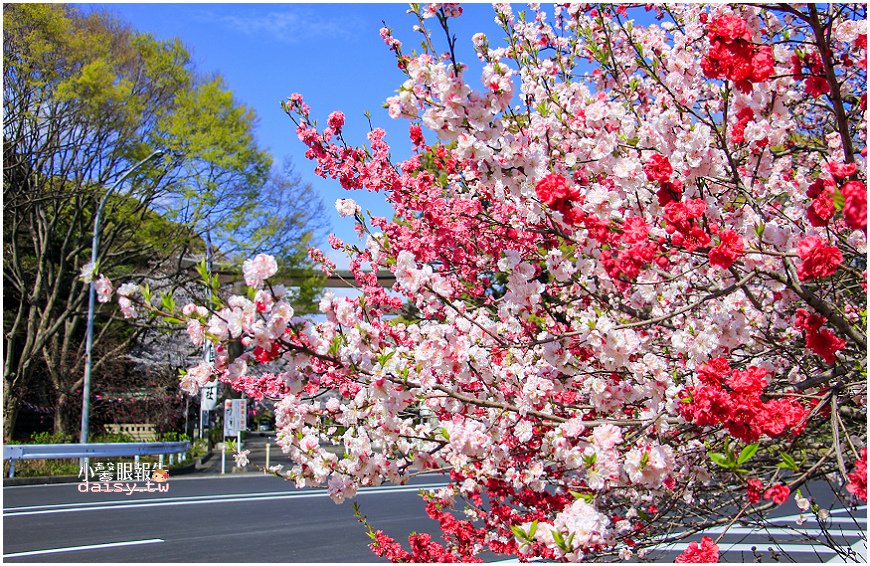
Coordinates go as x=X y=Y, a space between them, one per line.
x=384 y=358
x=335 y=346
x=202 y=269
x=519 y=533
x=587 y=497
x=590 y=460
x=788 y=462
x=759 y=229
x=168 y=301
x=720 y=459
x=839 y=199
x=748 y=452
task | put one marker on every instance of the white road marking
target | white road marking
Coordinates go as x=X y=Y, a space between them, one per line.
x=86 y=547
x=760 y=547
x=839 y=528
x=199 y=499
x=811 y=519
x=777 y=531
x=856 y=509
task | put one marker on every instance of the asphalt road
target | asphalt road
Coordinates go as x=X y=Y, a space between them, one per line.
x=245 y=518
x=256 y=518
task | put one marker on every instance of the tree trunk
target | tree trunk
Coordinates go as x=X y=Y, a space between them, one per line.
x=10 y=412
x=59 y=422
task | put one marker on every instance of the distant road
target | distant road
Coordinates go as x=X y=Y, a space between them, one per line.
x=245 y=518
x=257 y=518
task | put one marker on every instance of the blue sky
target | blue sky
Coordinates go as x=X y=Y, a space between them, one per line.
x=330 y=53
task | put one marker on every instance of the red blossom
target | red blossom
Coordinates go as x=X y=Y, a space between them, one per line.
x=743 y=117
x=817 y=86
x=695 y=208
x=817 y=259
x=658 y=168
x=679 y=215
x=855 y=204
x=822 y=210
x=752 y=381
x=695 y=239
x=819 y=186
x=634 y=230
x=729 y=249
x=739 y=408
x=826 y=344
x=762 y=63
x=729 y=28
x=336 y=121
x=753 y=490
x=841 y=170
x=778 y=493
x=815 y=83
x=714 y=371
x=704 y=553
x=820 y=340
x=809 y=322
x=554 y=191
x=416 y=133
x=781 y=416
x=733 y=56
x=858 y=478
x=670 y=191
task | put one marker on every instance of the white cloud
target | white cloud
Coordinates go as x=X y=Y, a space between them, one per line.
x=286 y=24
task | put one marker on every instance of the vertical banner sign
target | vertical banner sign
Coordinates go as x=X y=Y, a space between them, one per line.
x=235 y=416
x=208 y=402
x=243 y=414
x=230 y=418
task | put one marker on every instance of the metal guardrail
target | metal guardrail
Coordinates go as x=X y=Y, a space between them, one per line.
x=15 y=452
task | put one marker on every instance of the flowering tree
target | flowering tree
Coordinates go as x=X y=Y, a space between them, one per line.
x=630 y=278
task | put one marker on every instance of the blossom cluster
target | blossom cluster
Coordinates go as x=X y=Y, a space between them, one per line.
x=602 y=279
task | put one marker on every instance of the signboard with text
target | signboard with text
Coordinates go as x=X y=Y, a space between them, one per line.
x=235 y=416
x=208 y=401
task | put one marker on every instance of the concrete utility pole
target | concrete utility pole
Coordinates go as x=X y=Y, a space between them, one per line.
x=89 y=341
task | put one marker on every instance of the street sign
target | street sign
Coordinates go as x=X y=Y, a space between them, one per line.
x=208 y=401
x=235 y=416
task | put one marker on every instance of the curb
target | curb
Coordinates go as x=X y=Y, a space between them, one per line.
x=39 y=480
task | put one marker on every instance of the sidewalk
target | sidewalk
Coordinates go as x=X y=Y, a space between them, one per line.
x=256 y=443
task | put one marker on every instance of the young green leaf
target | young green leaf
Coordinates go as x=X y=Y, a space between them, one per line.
x=748 y=452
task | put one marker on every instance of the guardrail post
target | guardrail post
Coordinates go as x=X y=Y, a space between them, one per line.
x=171 y=459
x=11 y=468
x=160 y=461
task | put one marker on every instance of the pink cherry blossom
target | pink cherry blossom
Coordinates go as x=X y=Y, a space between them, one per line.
x=259 y=269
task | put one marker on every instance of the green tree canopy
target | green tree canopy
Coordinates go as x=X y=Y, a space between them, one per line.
x=85 y=98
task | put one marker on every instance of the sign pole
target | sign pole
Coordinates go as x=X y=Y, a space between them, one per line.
x=208 y=398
